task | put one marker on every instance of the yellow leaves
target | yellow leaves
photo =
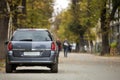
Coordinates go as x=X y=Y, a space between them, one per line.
x=39 y=5
x=39 y=12
x=83 y=6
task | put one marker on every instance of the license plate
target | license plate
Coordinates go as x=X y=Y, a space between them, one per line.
x=31 y=53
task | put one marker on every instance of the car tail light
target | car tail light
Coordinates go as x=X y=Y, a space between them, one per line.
x=53 y=47
x=9 y=46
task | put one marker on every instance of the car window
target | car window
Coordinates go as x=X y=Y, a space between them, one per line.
x=32 y=35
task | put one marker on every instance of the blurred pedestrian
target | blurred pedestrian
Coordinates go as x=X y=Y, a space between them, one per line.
x=66 y=47
x=58 y=42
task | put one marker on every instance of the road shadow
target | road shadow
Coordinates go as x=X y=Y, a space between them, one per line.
x=32 y=71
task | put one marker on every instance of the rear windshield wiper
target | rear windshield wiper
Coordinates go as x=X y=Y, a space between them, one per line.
x=25 y=40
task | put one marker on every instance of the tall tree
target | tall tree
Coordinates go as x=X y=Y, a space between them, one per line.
x=106 y=18
x=3 y=27
x=84 y=18
x=10 y=17
x=75 y=26
x=7 y=9
x=81 y=16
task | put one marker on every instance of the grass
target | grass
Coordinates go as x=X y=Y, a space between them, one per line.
x=2 y=63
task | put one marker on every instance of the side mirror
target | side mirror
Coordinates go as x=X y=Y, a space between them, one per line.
x=6 y=42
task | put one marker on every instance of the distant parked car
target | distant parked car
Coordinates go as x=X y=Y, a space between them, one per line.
x=31 y=47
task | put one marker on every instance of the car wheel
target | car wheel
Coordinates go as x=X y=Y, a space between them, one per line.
x=8 y=67
x=54 y=68
x=14 y=67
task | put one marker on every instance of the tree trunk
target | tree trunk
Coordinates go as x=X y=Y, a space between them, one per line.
x=105 y=27
x=3 y=28
x=91 y=46
x=105 y=44
x=81 y=45
x=118 y=46
x=24 y=6
x=105 y=31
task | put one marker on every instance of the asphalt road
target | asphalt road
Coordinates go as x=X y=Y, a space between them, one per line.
x=74 y=67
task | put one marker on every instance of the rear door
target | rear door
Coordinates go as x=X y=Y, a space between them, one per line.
x=31 y=43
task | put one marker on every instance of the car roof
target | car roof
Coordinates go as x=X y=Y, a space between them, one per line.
x=31 y=29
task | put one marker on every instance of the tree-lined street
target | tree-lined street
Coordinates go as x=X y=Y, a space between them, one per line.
x=74 y=67
x=90 y=26
x=90 y=23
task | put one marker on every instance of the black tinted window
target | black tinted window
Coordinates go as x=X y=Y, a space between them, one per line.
x=32 y=35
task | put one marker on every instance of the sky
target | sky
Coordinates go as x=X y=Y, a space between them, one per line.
x=60 y=5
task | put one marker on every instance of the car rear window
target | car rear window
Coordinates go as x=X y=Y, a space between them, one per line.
x=32 y=35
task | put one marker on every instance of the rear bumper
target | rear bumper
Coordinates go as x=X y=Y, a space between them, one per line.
x=32 y=60
x=19 y=60
x=32 y=63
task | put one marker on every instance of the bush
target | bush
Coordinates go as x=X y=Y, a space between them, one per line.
x=113 y=44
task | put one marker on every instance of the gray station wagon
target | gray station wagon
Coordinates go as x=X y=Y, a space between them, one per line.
x=31 y=47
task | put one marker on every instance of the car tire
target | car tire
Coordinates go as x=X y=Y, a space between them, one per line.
x=8 y=67
x=14 y=67
x=54 y=68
